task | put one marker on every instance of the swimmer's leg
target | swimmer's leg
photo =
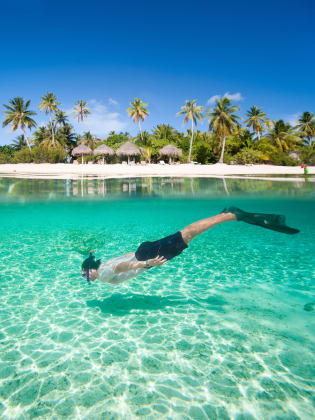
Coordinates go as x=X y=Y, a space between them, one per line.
x=195 y=229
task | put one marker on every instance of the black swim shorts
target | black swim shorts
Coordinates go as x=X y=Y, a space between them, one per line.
x=168 y=247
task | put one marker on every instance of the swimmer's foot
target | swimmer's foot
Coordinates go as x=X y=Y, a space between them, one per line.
x=269 y=221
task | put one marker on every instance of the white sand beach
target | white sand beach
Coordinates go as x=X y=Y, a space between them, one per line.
x=63 y=171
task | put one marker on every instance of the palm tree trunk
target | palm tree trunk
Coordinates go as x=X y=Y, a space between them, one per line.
x=222 y=151
x=52 y=130
x=191 y=140
x=140 y=131
x=25 y=137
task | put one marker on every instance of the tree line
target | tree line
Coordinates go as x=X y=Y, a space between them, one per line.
x=257 y=139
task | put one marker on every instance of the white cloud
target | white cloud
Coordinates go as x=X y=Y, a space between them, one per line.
x=112 y=101
x=100 y=122
x=212 y=100
x=293 y=118
x=232 y=96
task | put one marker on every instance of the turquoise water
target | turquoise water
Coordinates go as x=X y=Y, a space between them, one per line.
x=224 y=331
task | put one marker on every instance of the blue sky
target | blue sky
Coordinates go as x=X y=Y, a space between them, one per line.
x=162 y=52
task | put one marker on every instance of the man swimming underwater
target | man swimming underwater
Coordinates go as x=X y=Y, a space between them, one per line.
x=153 y=254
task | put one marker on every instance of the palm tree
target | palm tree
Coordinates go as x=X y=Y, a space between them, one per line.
x=145 y=139
x=49 y=104
x=19 y=116
x=43 y=137
x=88 y=139
x=138 y=112
x=165 y=131
x=146 y=152
x=192 y=112
x=222 y=120
x=256 y=119
x=81 y=111
x=242 y=138
x=66 y=137
x=306 y=126
x=19 y=143
x=282 y=136
x=61 y=118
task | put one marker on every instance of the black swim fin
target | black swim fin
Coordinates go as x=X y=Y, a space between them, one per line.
x=269 y=221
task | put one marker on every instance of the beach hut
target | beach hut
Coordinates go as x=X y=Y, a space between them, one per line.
x=171 y=151
x=128 y=149
x=81 y=150
x=103 y=150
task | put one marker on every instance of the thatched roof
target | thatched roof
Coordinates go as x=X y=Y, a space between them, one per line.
x=81 y=150
x=128 y=149
x=171 y=150
x=103 y=149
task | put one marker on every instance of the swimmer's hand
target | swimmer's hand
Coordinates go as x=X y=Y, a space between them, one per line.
x=157 y=261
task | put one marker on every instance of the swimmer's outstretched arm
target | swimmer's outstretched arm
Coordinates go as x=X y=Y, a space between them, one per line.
x=133 y=265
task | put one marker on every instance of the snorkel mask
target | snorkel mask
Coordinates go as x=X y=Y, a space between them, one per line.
x=90 y=263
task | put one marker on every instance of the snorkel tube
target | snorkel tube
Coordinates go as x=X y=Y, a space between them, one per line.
x=90 y=260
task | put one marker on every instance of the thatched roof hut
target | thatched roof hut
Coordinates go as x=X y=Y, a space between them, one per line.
x=81 y=150
x=128 y=149
x=104 y=150
x=171 y=151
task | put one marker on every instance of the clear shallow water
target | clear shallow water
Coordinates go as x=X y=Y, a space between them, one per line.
x=224 y=331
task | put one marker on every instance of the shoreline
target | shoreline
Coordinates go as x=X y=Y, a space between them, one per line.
x=70 y=171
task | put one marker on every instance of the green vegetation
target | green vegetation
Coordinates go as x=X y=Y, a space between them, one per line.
x=258 y=140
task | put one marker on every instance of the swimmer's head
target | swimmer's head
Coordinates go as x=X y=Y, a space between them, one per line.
x=88 y=265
